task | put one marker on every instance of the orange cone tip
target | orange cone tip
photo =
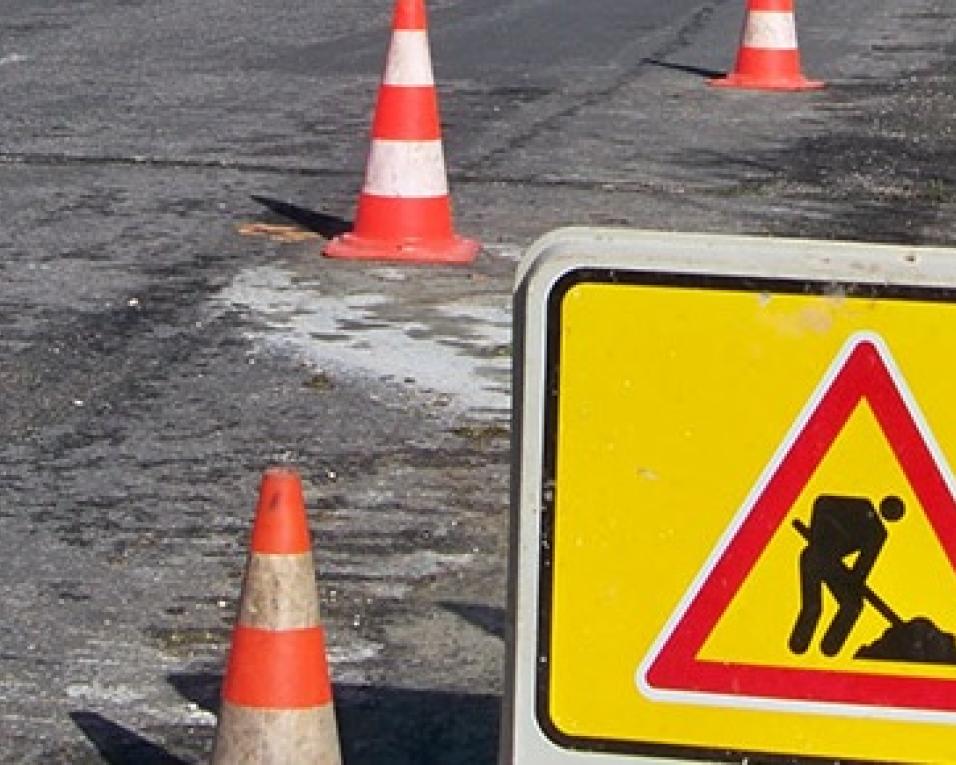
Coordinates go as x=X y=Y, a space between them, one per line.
x=280 y=525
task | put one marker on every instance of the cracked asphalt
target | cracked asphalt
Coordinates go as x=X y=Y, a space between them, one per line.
x=155 y=358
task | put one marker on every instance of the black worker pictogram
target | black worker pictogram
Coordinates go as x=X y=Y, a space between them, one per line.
x=840 y=527
x=847 y=528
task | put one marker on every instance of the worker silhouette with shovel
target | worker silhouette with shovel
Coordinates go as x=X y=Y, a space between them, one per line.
x=840 y=526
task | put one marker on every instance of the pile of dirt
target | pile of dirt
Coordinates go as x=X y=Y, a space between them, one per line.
x=916 y=640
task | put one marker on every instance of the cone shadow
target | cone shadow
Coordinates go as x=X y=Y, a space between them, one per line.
x=696 y=70
x=118 y=745
x=487 y=618
x=328 y=226
x=392 y=726
x=201 y=688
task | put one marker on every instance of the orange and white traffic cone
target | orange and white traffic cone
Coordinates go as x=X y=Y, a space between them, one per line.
x=276 y=695
x=404 y=211
x=768 y=58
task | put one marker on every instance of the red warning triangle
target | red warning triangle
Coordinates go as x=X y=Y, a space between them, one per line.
x=864 y=370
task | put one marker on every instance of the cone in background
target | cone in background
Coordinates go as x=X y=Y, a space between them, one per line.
x=276 y=695
x=404 y=211
x=768 y=58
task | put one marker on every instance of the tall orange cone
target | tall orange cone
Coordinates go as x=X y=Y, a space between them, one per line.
x=768 y=58
x=276 y=695
x=404 y=211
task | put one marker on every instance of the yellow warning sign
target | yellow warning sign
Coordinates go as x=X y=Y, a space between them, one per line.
x=749 y=535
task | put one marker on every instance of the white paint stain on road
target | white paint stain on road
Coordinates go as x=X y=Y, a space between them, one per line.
x=459 y=349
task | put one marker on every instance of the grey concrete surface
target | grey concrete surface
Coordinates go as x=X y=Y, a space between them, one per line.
x=155 y=359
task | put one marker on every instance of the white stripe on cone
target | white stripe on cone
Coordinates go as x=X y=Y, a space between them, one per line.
x=409 y=61
x=411 y=169
x=770 y=30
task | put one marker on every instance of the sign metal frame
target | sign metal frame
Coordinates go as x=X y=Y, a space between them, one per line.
x=551 y=267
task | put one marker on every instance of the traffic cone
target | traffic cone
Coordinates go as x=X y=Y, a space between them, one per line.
x=768 y=58
x=276 y=695
x=404 y=212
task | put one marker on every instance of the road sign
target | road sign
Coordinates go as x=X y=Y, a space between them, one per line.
x=734 y=526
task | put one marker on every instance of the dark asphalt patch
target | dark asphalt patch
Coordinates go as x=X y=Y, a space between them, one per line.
x=884 y=170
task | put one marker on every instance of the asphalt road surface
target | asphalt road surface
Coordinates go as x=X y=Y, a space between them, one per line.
x=159 y=351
